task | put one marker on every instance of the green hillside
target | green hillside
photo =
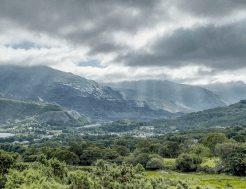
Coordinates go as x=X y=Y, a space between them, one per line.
x=15 y=111
x=232 y=115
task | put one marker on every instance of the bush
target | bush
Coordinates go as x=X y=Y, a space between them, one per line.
x=235 y=162
x=155 y=163
x=139 y=168
x=187 y=162
x=142 y=159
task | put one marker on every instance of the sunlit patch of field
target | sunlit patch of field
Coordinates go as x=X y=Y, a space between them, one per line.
x=210 y=162
x=202 y=180
x=169 y=163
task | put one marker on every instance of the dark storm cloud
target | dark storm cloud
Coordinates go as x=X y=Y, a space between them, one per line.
x=221 y=47
x=210 y=8
x=94 y=23
x=87 y=22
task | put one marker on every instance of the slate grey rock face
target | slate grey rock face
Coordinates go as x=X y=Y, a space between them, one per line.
x=74 y=92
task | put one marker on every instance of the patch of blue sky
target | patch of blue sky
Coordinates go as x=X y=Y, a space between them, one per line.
x=25 y=45
x=91 y=63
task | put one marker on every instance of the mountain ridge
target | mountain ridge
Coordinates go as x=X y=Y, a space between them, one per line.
x=100 y=103
x=170 y=96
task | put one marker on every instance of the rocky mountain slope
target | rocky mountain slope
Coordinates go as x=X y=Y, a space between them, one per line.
x=166 y=95
x=68 y=90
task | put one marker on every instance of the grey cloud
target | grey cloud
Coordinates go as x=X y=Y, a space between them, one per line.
x=105 y=16
x=93 y=23
x=25 y=45
x=210 y=8
x=221 y=47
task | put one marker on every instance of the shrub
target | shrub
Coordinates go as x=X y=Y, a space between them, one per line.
x=142 y=159
x=139 y=168
x=187 y=162
x=155 y=163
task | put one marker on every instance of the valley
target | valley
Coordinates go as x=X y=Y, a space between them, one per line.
x=178 y=136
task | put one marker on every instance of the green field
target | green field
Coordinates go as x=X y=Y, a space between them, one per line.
x=202 y=180
x=210 y=162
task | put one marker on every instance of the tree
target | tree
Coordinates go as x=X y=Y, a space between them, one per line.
x=90 y=155
x=142 y=158
x=110 y=154
x=224 y=149
x=155 y=163
x=201 y=151
x=235 y=162
x=7 y=160
x=213 y=139
x=169 y=149
x=187 y=162
x=67 y=156
x=122 y=150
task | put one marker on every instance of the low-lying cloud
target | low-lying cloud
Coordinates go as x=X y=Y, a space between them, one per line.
x=129 y=39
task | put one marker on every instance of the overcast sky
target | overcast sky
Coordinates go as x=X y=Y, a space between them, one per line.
x=187 y=41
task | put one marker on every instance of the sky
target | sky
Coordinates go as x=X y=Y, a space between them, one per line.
x=186 y=41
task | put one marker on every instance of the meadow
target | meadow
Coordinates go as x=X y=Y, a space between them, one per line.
x=202 y=180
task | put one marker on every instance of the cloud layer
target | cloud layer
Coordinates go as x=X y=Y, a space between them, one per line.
x=190 y=41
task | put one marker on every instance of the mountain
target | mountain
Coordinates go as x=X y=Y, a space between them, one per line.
x=16 y=111
x=98 y=102
x=169 y=96
x=229 y=92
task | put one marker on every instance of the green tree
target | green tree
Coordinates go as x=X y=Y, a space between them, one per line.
x=67 y=156
x=213 y=139
x=235 y=162
x=155 y=163
x=142 y=158
x=224 y=149
x=187 y=162
x=90 y=155
x=122 y=150
x=169 y=150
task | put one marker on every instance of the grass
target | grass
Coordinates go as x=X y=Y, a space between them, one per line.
x=210 y=162
x=169 y=163
x=202 y=180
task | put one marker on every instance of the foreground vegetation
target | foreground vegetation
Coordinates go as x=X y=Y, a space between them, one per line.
x=187 y=159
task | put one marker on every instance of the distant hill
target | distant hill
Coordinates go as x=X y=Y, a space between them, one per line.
x=98 y=102
x=166 y=95
x=229 y=92
x=233 y=115
x=16 y=110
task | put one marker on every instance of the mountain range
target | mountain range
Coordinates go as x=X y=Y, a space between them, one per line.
x=100 y=103
x=230 y=93
x=143 y=100
x=170 y=96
